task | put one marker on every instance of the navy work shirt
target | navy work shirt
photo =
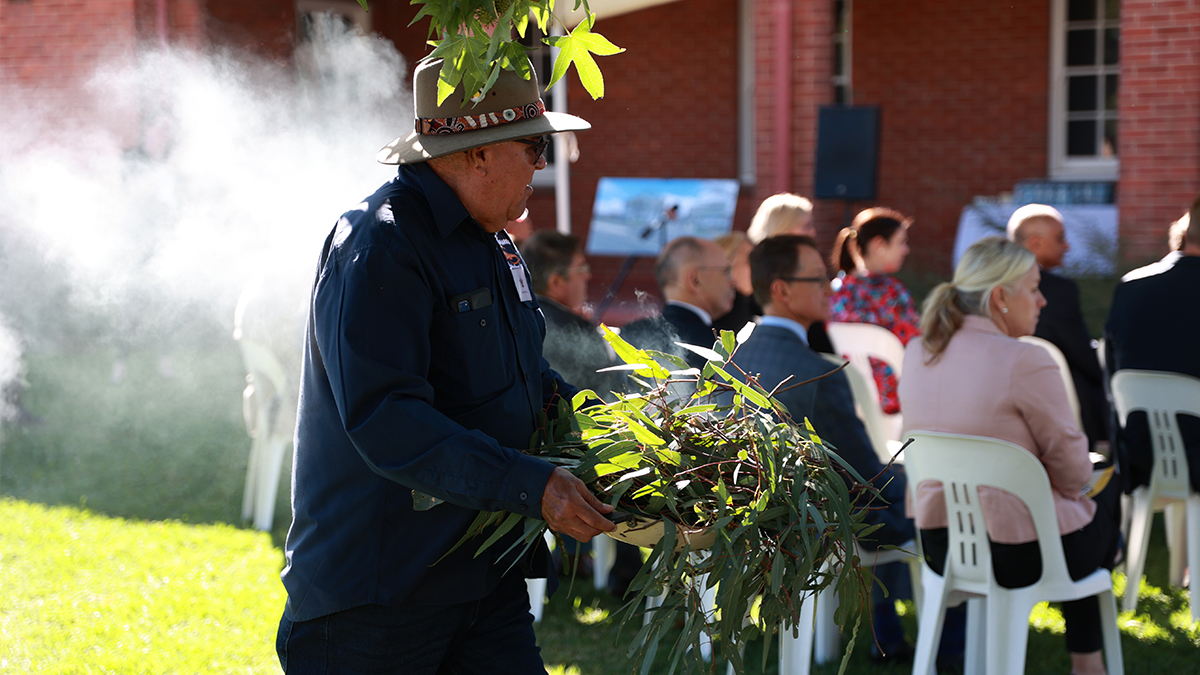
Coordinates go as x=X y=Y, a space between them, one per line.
x=423 y=370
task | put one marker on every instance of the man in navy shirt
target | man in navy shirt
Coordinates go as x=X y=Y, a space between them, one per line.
x=423 y=372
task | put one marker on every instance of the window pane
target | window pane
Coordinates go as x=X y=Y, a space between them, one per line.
x=1081 y=47
x=1112 y=9
x=1110 y=92
x=839 y=95
x=1112 y=45
x=1081 y=138
x=1110 y=139
x=1081 y=10
x=839 y=17
x=1081 y=92
x=838 y=65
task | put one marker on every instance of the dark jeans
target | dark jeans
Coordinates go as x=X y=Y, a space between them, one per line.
x=492 y=636
x=1018 y=565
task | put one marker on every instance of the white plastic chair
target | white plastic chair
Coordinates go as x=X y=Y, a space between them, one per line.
x=997 y=617
x=866 y=404
x=269 y=409
x=857 y=342
x=537 y=587
x=823 y=643
x=1162 y=396
x=1064 y=370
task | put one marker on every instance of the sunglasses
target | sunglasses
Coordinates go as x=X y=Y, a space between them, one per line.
x=539 y=146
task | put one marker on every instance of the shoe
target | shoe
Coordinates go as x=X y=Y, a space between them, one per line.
x=897 y=653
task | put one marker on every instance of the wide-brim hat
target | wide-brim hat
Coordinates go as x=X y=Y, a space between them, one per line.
x=511 y=109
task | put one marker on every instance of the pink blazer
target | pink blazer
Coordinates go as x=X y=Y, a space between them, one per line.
x=989 y=384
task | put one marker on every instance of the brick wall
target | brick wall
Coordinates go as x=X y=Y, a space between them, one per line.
x=668 y=111
x=1159 y=141
x=185 y=22
x=53 y=45
x=963 y=91
x=265 y=27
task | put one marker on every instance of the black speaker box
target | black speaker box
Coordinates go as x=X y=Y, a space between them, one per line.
x=847 y=152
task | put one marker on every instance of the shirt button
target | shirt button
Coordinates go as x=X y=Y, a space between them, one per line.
x=524 y=496
x=483 y=322
x=523 y=507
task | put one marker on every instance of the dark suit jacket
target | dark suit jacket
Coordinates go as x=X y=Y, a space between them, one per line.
x=1154 y=324
x=675 y=324
x=576 y=351
x=1061 y=323
x=773 y=353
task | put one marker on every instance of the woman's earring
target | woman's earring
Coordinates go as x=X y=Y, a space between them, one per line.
x=1004 y=310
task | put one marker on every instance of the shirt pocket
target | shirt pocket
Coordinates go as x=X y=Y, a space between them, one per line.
x=467 y=361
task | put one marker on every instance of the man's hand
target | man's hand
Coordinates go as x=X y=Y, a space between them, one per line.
x=570 y=508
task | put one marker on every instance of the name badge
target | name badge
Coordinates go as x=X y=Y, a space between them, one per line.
x=515 y=265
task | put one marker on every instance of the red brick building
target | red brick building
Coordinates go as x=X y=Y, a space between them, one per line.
x=974 y=96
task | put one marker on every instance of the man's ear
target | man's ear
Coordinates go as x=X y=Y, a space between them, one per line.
x=779 y=290
x=477 y=159
x=553 y=283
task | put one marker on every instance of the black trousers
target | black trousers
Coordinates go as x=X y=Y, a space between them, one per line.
x=1087 y=549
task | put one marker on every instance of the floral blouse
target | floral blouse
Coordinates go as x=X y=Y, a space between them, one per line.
x=883 y=301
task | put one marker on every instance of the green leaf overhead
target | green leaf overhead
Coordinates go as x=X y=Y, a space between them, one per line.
x=577 y=48
x=479 y=38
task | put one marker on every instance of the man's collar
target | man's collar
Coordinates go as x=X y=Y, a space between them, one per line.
x=781 y=322
x=705 y=316
x=547 y=300
x=448 y=209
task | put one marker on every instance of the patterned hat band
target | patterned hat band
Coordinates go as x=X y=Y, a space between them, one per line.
x=440 y=126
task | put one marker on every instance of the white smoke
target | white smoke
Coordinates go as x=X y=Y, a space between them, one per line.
x=133 y=233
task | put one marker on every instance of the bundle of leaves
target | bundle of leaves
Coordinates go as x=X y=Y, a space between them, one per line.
x=709 y=449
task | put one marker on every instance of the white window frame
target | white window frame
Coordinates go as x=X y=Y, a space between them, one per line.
x=1063 y=167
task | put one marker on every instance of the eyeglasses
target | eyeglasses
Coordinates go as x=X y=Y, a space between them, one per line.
x=815 y=280
x=539 y=146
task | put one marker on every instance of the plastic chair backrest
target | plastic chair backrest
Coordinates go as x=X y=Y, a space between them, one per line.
x=859 y=340
x=260 y=361
x=963 y=464
x=866 y=404
x=1063 y=369
x=1162 y=396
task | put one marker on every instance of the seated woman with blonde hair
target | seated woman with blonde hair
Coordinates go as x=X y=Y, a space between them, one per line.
x=969 y=374
x=783 y=213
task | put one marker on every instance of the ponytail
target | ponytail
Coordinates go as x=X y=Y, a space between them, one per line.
x=850 y=247
x=988 y=264
x=846 y=256
x=941 y=317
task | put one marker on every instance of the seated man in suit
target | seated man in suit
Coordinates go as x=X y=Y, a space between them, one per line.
x=1039 y=228
x=573 y=347
x=697 y=281
x=791 y=283
x=1176 y=236
x=1153 y=325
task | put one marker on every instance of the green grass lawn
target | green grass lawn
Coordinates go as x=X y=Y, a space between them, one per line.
x=87 y=593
